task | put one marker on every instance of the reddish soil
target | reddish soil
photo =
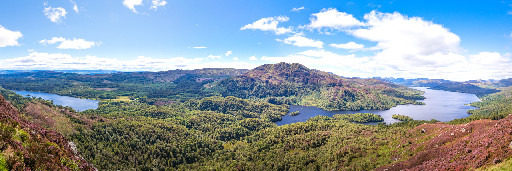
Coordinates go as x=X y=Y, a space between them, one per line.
x=458 y=147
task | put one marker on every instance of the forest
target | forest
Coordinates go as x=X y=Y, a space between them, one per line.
x=226 y=121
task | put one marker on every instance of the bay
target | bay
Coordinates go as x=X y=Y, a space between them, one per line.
x=440 y=105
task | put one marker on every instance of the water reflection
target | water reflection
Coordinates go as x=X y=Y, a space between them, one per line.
x=75 y=103
x=440 y=105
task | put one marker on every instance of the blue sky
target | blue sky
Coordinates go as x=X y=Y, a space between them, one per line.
x=436 y=39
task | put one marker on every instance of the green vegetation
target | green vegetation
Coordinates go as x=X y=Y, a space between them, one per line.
x=294 y=113
x=464 y=88
x=26 y=146
x=494 y=106
x=178 y=120
x=360 y=117
x=174 y=84
x=284 y=83
x=402 y=117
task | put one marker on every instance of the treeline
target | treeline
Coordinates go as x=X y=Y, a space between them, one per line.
x=174 y=84
x=229 y=133
x=285 y=83
x=360 y=117
x=402 y=117
x=464 y=88
x=494 y=106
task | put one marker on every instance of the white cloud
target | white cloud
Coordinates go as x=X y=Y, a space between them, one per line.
x=485 y=65
x=228 y=53
x=333 y=19
x=199 y=47
x=253 y=58
x=59 y=61
x=269 y=24
x=235 y=59
x=70 y=44
x=158 y=3
x=130 y=4
x=8 y=37
x=349 y=45
x=407 y=40
x=75 y=7
x=408 y=47
x=297 y=9
x=55 y=14
x=213 y=57
x=300 y=41
x=509 y=12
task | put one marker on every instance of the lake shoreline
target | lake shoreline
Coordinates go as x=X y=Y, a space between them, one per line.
x=439 y=104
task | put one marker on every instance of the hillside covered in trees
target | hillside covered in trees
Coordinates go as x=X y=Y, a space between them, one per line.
x=173 y=84
x=297 y=84
x=222 y=132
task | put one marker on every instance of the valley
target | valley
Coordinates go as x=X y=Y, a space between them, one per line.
x=227 y=120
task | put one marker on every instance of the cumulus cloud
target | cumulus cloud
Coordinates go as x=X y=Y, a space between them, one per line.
x=130 y=4
x=70 y=43
x=332 y=19
x=228 y=53
x=59 y=61
x=8 y=37
x=253 y=58
x=269 y=24
x=297 y=9
x=158 y=3
x=408 y=47
x=300 y=41
x=484 y=65
x=75 y=7
x=235 y=59
x=55 y=14
x=407 y=40
x=349 y=45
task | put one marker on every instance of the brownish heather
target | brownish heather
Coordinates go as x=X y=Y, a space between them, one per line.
x=27 y=146
x=457 y=147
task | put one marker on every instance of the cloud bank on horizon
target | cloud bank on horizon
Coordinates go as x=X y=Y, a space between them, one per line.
x=384 y=44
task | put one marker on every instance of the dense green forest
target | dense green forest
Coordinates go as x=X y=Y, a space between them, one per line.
x=280 y=83
x=234 y=129
x=173 y=84
x=402 y=117
x=297 y=84
x=234 y=133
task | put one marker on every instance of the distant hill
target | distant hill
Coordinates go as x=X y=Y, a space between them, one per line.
x=472 y=87
x=297 y=84
x=64 y=71
x=173 y=84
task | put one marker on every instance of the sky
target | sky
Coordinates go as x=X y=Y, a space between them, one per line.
x=455 y=40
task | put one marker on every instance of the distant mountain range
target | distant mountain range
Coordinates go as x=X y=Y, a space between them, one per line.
x=63 y=71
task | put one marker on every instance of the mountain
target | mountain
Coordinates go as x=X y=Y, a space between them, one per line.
x=297 y=84
x=27 y=146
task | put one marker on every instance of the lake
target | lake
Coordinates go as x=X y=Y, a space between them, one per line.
x=75 y=103
x=440 y=105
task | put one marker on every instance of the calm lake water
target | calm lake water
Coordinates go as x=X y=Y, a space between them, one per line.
x=75 y=103
x=440 y=105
